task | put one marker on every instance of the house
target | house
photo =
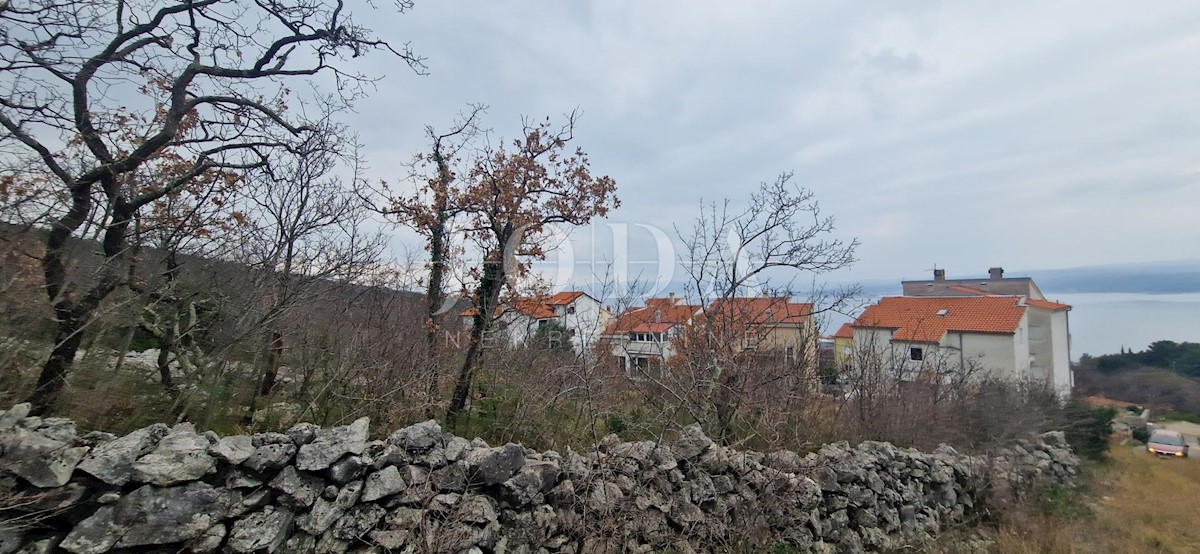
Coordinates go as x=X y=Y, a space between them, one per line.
x=641 y=339
x=518 y=320
x=645 y=338
x=997 y=326
x=765 y=324
x=843 y=344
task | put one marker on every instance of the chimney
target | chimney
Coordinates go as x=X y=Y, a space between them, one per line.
x=939 y=275
x=996 y=273
x=670 y=299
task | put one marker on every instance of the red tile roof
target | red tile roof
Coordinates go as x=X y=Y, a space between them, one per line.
x=760 y=310
x=563 y=298
x=1047 y=305
x=917 y=319
x=844 y=332
x=660 y=313
x=535 y=307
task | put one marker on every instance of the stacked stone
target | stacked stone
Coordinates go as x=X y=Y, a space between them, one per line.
x=422 y=490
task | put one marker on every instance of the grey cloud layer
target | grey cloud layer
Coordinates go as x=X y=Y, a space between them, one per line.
x=1028 y=134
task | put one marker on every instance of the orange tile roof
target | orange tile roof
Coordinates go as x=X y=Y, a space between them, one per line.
x=760 y=310
x=532 y=307
x=916 y=319
x=844 y=332
x=1047 y=305
x=667 y=312
x=563 y=298
x=1108 y=402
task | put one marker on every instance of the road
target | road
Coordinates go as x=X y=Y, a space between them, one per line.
x=1191 y=433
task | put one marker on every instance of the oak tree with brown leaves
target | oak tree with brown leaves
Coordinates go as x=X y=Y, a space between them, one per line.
x=510 y=195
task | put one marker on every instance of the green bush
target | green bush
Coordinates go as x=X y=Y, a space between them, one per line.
x=1088 y=429
x=1140 y=434
x=614 y=424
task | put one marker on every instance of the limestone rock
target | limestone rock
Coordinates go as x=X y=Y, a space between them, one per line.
x=692 y=442
x=149 y=516
x=325 y=512
x=261 y=531
x=44 y=462
x=235 y=449
x=303 y=433
x=331 y=444
x=530 y=484
x=180 y=456
x=348 y=469
x=382 y=484
x=358 y=521
x=12 y=416
x=298 y=490
x=210 y=540
x=112 y=462
x=492 y=466
x=270 y=457
x=419 y=438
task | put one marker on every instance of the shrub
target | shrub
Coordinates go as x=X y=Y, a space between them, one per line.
x=1140 y=434
x=1088 y=429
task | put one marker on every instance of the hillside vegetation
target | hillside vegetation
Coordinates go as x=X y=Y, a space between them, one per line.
x=1165 y=377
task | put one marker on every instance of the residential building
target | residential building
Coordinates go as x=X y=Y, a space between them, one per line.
x=997 y=326
x=641 y=339
x=645 y=338
x=843 y=344
x=517 y=321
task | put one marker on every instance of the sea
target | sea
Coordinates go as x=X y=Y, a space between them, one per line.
x=1103 y=323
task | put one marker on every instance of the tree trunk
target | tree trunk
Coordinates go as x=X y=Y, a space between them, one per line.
x=71 y=312
x=53 y=378
x=166 y=347
x=274 y=355
x=434 y=296
x=488 y=297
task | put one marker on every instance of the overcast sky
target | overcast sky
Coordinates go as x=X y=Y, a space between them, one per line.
x=962 y=134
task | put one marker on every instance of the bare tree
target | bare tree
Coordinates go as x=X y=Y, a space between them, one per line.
x=94 y=90
x=303 y=236
x=743 y=267
x=430 y=210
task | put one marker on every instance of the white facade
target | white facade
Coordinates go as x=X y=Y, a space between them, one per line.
x=583 y=317
x=586 y=318
x=957 y=354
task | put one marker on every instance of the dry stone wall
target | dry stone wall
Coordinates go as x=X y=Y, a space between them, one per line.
x=172 y=489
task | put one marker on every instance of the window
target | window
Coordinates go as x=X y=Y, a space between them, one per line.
x=622 y=363
x=640 y=364
x=570 y=309
x=1037 y=333
x=789 y=355
x=916 y=354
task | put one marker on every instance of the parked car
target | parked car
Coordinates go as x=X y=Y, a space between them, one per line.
x=1167 y=443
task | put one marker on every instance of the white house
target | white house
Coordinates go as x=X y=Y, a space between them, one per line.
x=641 y=338
x=1003 y=327
x=518 y=320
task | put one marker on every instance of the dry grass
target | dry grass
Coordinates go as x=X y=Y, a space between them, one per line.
x=1141 y=504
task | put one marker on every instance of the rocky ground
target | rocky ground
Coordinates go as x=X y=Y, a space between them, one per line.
x=423 y=490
